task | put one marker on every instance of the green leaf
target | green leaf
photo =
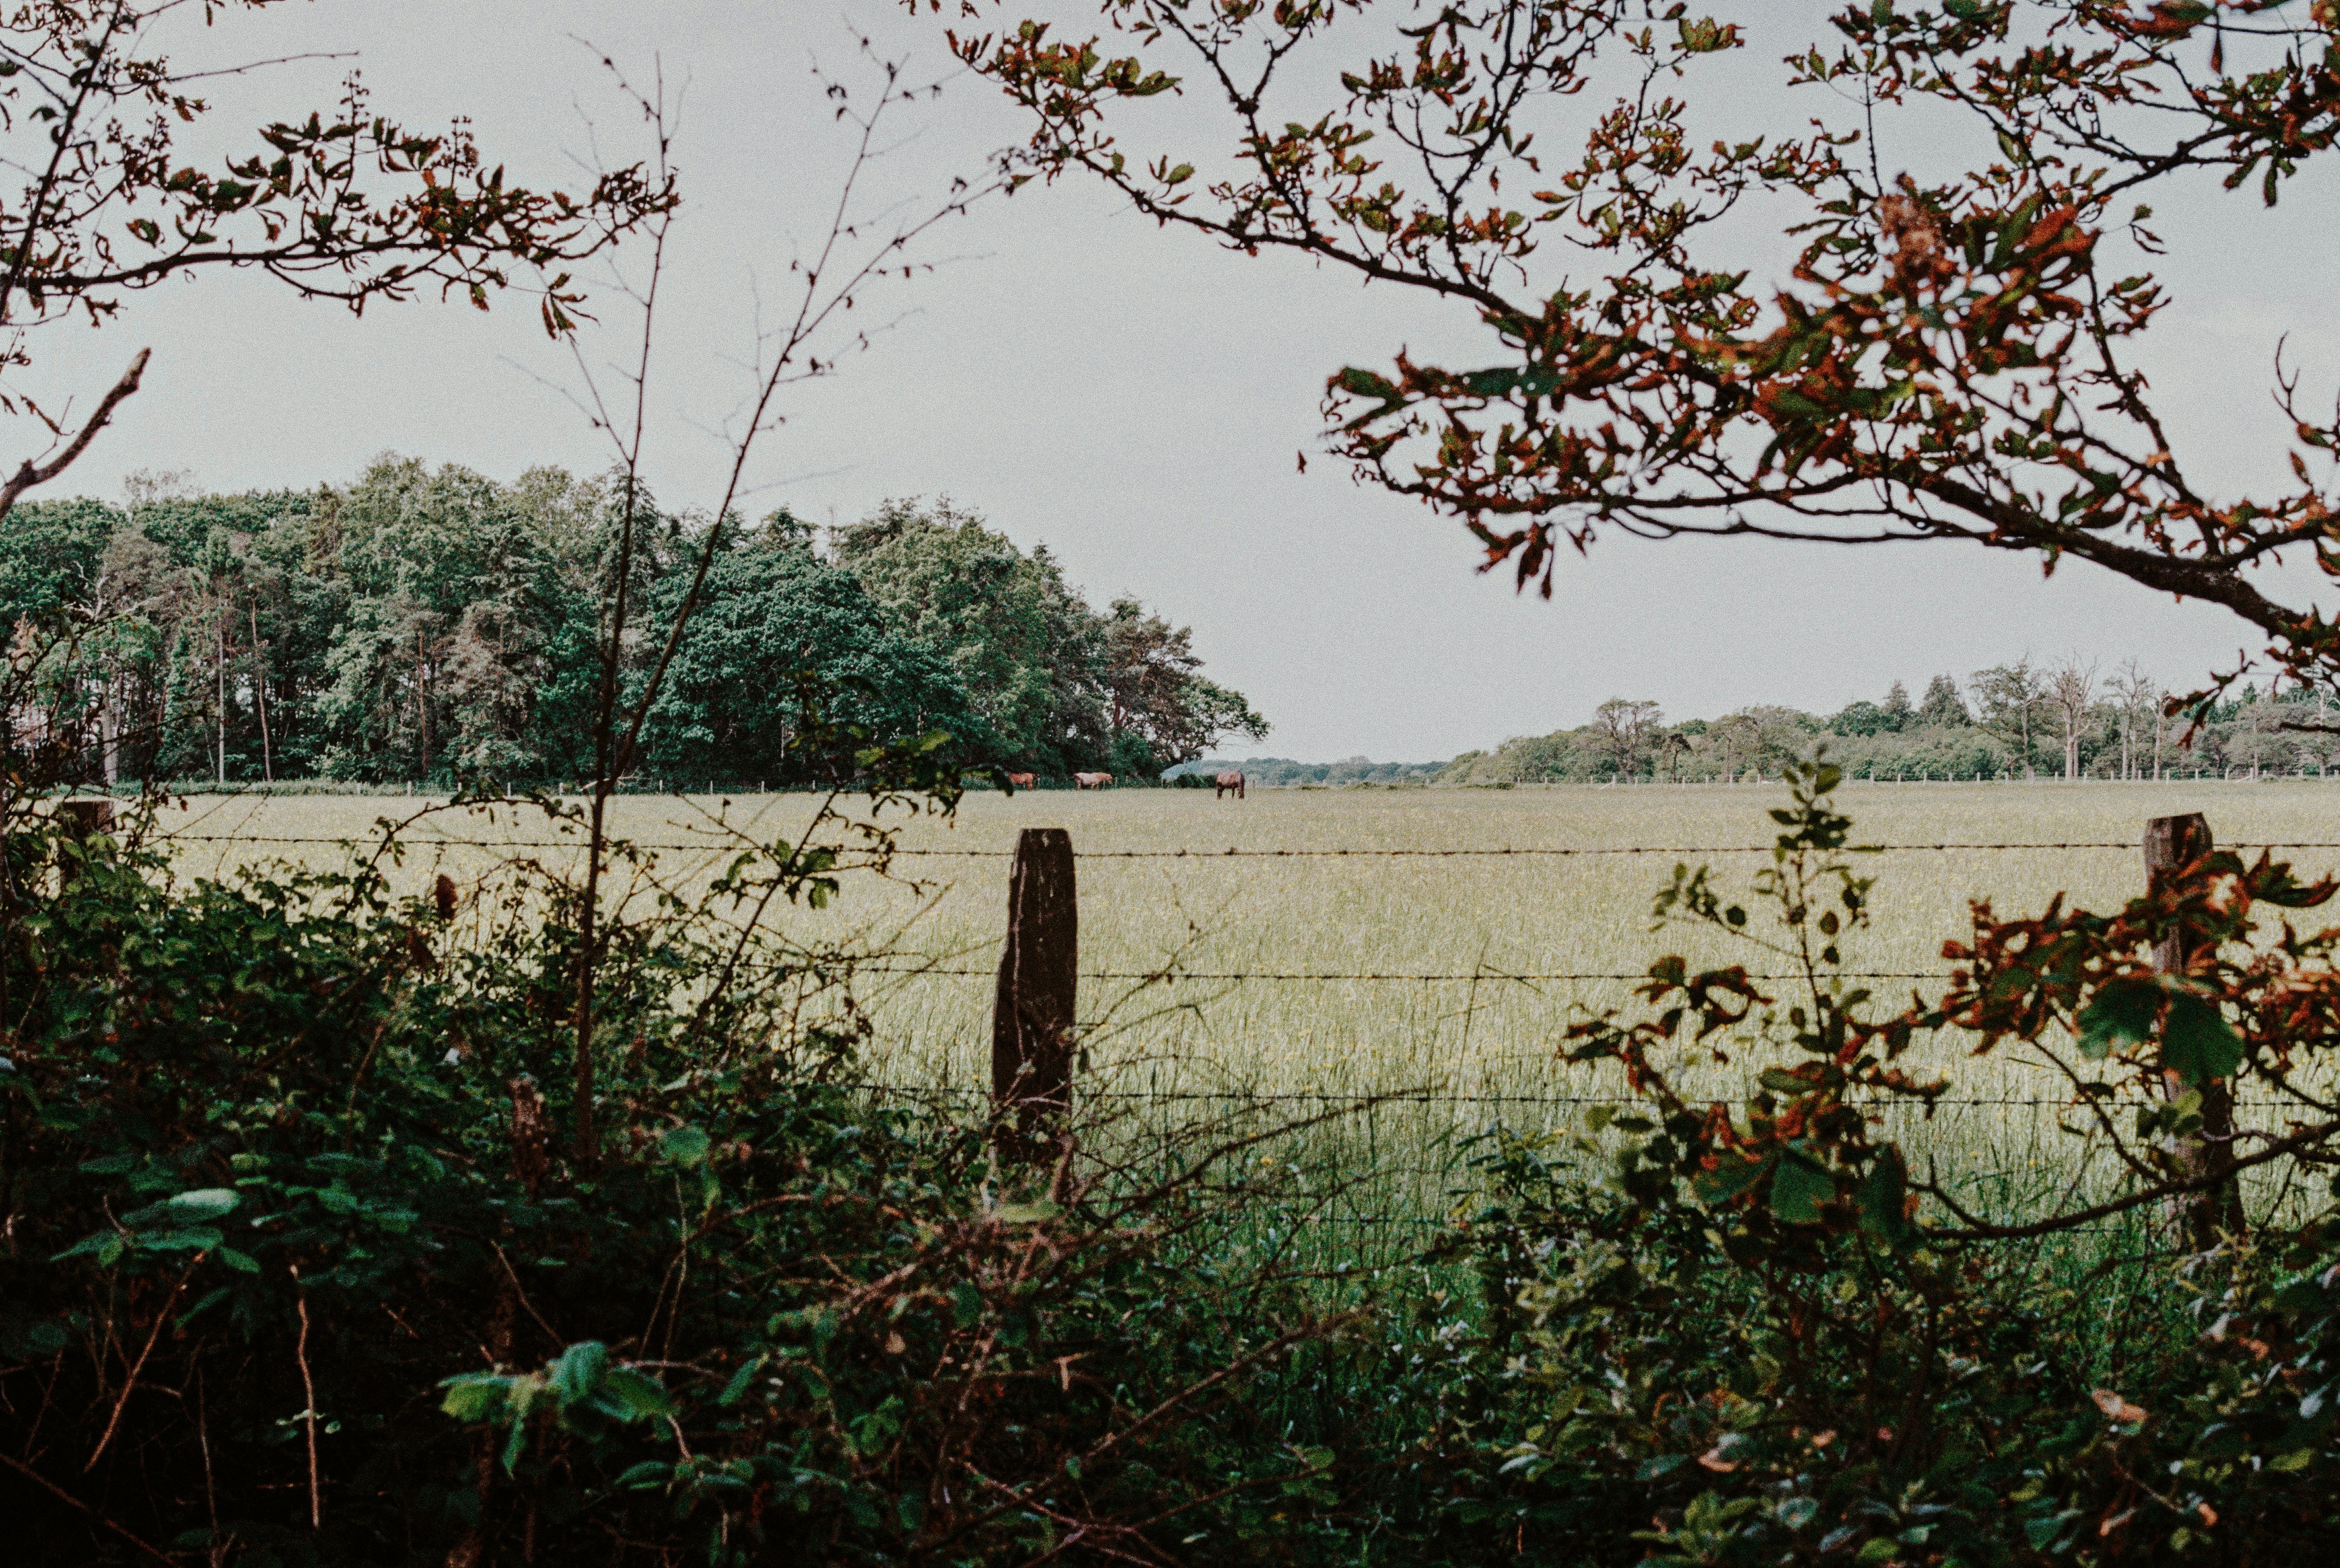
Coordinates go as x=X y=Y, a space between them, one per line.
x=637 y=1397
x=195 y=1238
x=194 y=1207
x=684 y=1146
x=966 y=1303
x=1800 y=1190
x=1884 y=1197
x=577 y=1375
x=1729 y=1180
x=2122 y=1014
x=648 y=1473
x=1026 y=1212
x=474 y=1395
x=105 y=1247
x=1366 y=383
x=736 y=1389
x=2198 y=1044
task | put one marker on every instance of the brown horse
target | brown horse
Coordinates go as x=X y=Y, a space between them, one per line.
x=1230 y=779
x=1022 y=780
x=1093 y=780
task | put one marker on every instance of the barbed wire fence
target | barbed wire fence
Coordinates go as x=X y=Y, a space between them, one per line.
x=1060 y=1010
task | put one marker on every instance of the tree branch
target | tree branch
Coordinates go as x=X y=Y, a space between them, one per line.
x=29 y=473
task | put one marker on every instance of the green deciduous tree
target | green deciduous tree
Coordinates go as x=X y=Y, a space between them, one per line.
x=779 y=634
x=2011 y=703
x=1057 y=685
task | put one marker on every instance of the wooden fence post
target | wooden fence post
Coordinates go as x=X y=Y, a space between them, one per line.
x=1039 y=977
x=2171 y=842
x=84 y=819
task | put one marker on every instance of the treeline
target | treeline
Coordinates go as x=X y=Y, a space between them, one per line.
x=436 y=626
x=2021 y=719
x=1272 y=772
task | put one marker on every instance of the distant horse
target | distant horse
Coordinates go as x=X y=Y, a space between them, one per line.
x=1230 y=779
x=1022 y=780
x=1093 y=780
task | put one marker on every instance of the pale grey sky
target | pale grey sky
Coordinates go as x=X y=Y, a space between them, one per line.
x=1132 y=398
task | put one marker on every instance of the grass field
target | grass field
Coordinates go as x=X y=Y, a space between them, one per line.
x=1481 y=1040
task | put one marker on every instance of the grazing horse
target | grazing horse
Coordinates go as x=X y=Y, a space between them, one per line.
x=1093 y=780
x=1230 y=779
x=1022 y=780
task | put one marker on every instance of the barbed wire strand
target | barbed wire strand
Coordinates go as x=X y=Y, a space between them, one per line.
x=1440 y=1097
x=1236 y=853
x=1489 y=976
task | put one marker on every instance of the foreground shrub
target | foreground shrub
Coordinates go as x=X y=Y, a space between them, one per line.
x=1760 y=1337
x=298 y=1270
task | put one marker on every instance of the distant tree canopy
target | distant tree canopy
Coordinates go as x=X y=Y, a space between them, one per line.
x=435 y=625
x=2017 y=726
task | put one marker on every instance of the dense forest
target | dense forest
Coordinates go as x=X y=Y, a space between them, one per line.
x=437 y=626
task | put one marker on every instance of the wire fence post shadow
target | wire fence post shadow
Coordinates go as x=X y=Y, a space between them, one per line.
x=2171 y=842
x=1039 y=977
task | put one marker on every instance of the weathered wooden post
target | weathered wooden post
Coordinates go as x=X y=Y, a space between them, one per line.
x=78 y=821
x=84 y=819
x=1039 y=976
x=2171 y=842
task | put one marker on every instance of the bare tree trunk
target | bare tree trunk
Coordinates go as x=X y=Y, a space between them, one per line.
x=259 y=697
x=109 y=730
x=422 y=702
x=220 y=670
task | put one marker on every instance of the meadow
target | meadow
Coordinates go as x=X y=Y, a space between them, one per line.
x=1444 y=978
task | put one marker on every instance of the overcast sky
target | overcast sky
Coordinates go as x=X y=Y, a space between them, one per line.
x=1132 y=398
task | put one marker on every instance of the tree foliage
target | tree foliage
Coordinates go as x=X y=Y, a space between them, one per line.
x=433 y=624
x=339 y=203
x=1951 y=358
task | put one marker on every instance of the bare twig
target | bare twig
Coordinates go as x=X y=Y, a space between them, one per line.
x=161 y=1316
x=309 y=1391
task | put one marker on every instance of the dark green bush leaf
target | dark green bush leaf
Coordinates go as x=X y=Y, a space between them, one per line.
x=2198 y=1044
x=1799 y=1189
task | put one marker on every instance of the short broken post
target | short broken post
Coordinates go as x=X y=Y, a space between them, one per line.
x=1032 y=1019
x=2170 y=843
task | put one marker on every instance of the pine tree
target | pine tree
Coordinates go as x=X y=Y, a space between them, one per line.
x=1899 y=714
x=1943 y=707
